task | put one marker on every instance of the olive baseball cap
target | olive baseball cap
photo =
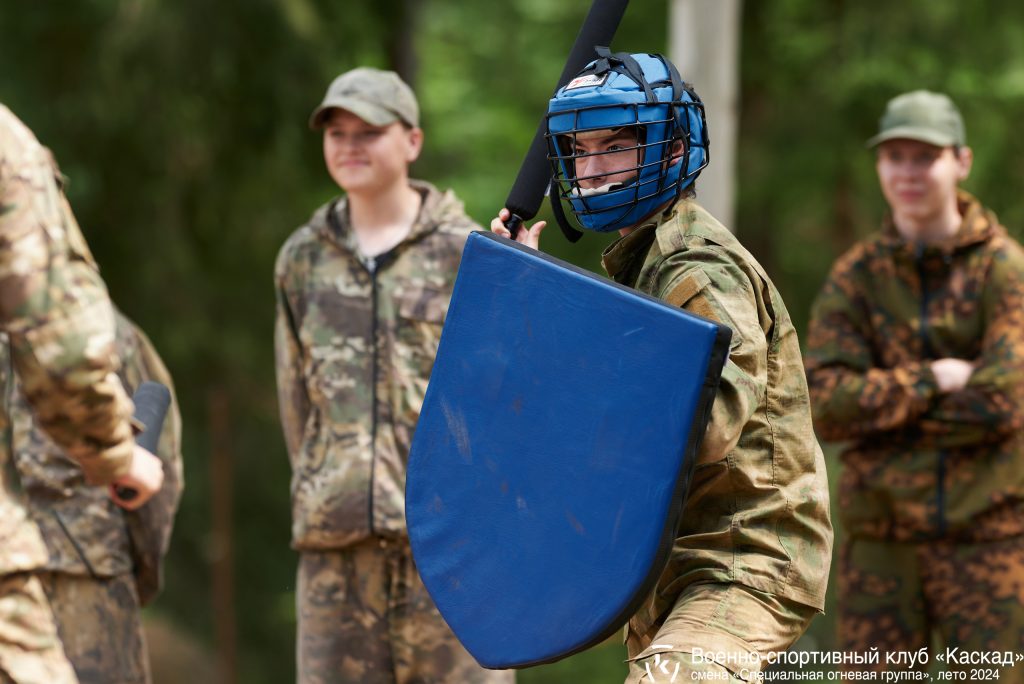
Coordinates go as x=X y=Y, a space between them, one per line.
x=921 y=115
x=375 y=96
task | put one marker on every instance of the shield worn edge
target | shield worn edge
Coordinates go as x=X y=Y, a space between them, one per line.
x=716 y=361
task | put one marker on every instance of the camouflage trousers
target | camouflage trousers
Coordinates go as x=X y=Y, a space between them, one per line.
x=365 y=616
x=740 y=623
x=30 y=651
x=99 y=623
x=897 y=596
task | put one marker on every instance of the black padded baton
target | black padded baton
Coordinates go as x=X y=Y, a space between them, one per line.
x=534 y=177
x=151 y=402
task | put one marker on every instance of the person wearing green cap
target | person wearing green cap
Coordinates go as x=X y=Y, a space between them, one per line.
x=915 y=359
x=362 y=292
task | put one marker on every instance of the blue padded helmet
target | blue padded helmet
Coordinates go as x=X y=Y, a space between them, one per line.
x=641 y=92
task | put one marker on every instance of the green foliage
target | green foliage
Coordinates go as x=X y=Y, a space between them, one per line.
x=182 y=127
x=815 y=79
x=604 y=664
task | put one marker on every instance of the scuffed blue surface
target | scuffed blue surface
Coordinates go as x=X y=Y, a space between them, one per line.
x=548 y=451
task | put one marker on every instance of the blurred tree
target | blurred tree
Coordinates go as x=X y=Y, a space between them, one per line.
x=705 y=45
x=816 y=76
x=182 y=128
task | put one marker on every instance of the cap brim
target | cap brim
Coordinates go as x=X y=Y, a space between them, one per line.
x=370 y=113
x=912 y=133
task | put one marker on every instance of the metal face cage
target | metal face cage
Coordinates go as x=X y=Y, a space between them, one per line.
x=658 y=174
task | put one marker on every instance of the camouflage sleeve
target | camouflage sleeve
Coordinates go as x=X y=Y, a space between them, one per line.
x=714 y=287
x=293 y=400
x=991 y=406
x=56 y=310
x=851 y=397
x=722 y=293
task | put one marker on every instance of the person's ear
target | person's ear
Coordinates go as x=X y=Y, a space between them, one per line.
x=415 y=139
x=677 y=151
x=965 y=160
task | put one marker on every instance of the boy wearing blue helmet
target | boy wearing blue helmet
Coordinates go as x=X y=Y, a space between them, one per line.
x=627 y=138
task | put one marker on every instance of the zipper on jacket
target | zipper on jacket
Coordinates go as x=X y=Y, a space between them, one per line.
x=922 y=329
x=372 y=264
x=940 y=466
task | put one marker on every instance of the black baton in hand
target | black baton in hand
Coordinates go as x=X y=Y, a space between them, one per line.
x=534 y=177
x=151 y=402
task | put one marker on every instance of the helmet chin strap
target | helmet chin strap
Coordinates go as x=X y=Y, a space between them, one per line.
x=555 y=197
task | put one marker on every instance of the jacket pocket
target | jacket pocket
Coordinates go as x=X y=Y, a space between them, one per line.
x=418 y=327
x=687 y=288
x=330 y=484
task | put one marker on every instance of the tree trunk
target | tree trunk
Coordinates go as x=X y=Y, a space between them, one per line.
x=404 y=15
x=223 y=555
x=704 y=43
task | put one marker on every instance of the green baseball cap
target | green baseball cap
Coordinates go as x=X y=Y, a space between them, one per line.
x=375 y=96
x=921 y=115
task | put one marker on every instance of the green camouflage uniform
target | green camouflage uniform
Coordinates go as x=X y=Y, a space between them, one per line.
x=932 y=478
x=96 y=549
x=55 y=309
x=356 y=339
x=751 y=562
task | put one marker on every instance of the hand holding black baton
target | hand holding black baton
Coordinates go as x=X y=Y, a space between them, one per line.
x=151 y=403
x=534 y=179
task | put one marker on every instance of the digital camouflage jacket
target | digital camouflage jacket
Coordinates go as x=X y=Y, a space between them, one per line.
x=85 y=532
x=55 y=309
x=355 y=340
x=757 y=513
x=921 y=464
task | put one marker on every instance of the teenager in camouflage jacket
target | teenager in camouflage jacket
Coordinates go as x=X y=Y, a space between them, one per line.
x=56 y=312
x=922 y=464
x=356 y=340
x=751 y=560
x=916 y=360
x=104 y=562
x=359 y=316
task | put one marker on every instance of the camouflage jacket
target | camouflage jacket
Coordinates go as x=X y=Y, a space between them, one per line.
x=757 y=513
x=355 y=340
x=920 y=463
x=55 y=309
x=85 y=532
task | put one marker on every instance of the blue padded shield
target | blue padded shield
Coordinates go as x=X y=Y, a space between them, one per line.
x=553 y=452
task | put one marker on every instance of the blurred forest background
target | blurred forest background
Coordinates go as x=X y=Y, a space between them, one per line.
x=182 y=127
